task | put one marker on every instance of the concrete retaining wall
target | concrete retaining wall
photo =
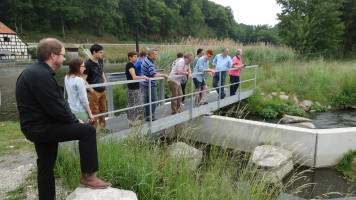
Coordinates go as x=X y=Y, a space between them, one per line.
x=310 y=147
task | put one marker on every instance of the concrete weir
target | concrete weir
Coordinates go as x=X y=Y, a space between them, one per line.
x=310 y=147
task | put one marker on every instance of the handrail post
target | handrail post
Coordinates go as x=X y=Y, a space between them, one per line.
x=191 y=97
x=219 y=93
x=110 y=100
x=110 y=97
x=255 y=77
x=161 y=91
x=150 y=101
x=240 y=84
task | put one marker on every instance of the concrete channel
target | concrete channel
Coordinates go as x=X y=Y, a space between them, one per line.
x=310 y=147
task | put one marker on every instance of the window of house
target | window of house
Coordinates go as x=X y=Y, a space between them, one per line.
x=6 y=39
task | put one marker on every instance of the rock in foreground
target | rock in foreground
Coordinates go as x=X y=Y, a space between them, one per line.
x=294 y=119
x=191 y=155
x=103 y=194
x=273 y=162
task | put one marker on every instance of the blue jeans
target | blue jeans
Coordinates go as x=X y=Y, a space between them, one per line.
x=146 y=98
x=222 y=83
x=233 y=88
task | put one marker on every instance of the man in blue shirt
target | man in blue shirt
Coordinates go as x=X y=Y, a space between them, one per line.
x=221 y=62
x=149 y=70
x=138 y=63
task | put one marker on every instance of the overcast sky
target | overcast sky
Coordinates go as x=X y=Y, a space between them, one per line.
x=253 y=12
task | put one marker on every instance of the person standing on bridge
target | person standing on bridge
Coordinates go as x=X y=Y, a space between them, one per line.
x=221 y=62
x=200 y=53
x=235 y=74
x=134 y=96
x=184 y=80
x=94 y=74
x=138 y=63
x=149 y=70
x=46 y=120
x=200 y=79
x=77 y=94
x=182 y=67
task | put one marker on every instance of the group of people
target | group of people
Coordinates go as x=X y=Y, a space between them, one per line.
x=47 y=119
x=144 y=68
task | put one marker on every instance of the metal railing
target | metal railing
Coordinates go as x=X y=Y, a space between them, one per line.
x=161 y=100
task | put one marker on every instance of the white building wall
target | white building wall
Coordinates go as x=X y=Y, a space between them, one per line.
x=15 y=45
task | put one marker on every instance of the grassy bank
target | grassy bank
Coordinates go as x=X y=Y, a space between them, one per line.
x=12 y=141
x=328 y=82
x=147 y=169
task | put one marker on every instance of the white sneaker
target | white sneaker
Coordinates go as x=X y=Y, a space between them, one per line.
x=182 y=104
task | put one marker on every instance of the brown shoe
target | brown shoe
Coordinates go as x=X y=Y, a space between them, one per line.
x=91 y=181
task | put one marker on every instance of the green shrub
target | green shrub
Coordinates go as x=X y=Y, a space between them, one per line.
x=318 y=108
x=271 y=108
x=268 y=112
x=341 y=99
x=32 y=52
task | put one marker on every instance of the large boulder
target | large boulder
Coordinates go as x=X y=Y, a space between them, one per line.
x=190 y=155
x=307 y=125
x=307 y=103
x=273 y=162
x=294 y=119
x=103 y=194
x=295 y=99
x=284 y=97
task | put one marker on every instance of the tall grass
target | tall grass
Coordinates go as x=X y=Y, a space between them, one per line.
x=146 y=168
x=329 y=82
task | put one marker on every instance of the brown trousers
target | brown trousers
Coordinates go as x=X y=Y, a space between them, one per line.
x=176 y=91
x=97 y=104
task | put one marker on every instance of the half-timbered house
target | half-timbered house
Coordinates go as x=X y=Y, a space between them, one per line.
x=12 y=47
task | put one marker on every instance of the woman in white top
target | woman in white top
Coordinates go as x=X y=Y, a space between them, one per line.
x=77 y=94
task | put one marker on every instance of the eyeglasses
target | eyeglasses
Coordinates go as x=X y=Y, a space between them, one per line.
x=64 y=55
x=82 y=65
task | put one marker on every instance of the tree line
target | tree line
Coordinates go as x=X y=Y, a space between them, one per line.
x=311 y=27
x=154 y=18
x=318 y=27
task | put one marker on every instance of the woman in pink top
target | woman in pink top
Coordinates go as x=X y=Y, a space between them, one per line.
x=235 y=74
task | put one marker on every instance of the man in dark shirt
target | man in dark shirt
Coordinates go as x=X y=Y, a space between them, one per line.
x=94 y=74
x=46 y=119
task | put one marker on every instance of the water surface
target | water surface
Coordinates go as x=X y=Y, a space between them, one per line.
x=8 y=76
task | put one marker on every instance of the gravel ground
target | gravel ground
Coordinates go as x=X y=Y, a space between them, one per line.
x=13 y=171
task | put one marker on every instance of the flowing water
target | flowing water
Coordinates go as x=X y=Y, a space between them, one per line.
x=321 y=120
x=8 y=76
